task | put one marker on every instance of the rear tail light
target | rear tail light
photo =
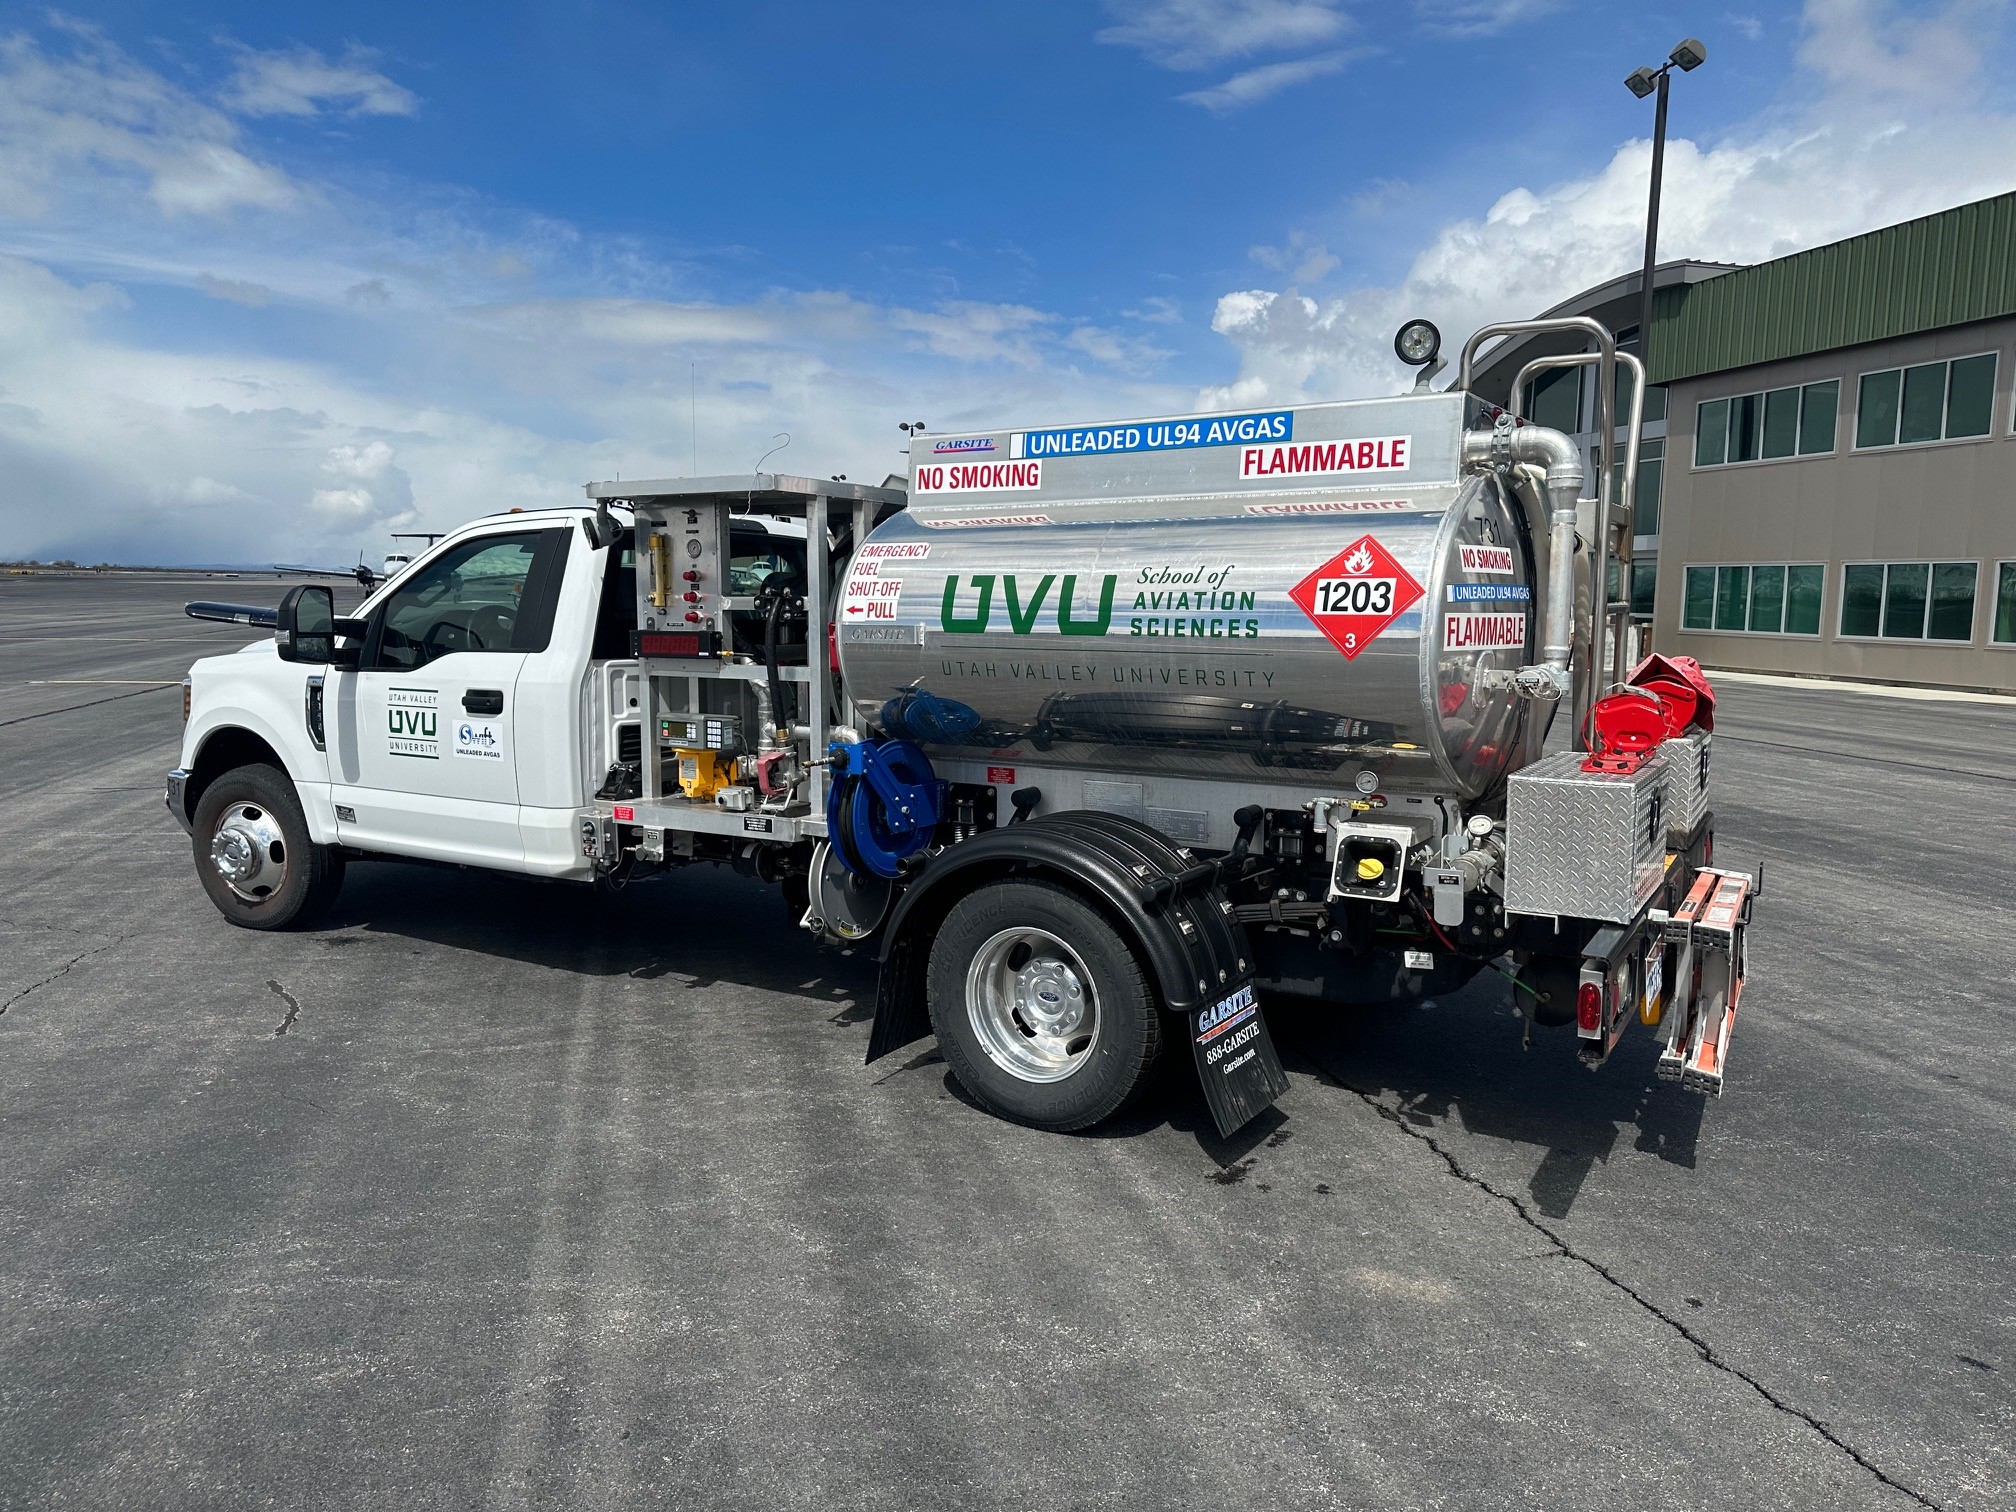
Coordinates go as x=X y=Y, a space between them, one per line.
x=833 y=648
x=1589 y=1007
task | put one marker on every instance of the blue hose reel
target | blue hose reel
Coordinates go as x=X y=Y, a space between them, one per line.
x=882 y=806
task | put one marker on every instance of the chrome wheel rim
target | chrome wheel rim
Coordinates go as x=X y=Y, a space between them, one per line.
x=1032 y=1005
x=249 y=852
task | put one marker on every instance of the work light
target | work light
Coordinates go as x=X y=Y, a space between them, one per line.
x=1417 y=343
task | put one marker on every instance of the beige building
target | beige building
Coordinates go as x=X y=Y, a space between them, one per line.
x=1830 y=487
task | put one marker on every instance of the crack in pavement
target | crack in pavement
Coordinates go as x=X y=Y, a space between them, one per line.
x=1915 y=766
x=1563 y=1250
x=293 y=1007
x=71 y=965
x=73 y=708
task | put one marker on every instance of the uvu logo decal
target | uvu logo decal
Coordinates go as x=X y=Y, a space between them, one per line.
x=1026 y=603
x=413 y=722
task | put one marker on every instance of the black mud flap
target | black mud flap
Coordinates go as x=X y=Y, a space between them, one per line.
x=1236 y=1059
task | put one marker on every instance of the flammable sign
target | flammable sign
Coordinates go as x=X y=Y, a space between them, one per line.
x=1357 y=594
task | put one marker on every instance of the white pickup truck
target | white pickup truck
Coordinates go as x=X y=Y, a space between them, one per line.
x=447 y=726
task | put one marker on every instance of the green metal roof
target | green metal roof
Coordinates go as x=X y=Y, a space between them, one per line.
x=1941 y=270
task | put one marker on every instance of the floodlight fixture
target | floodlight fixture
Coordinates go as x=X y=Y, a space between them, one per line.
x=1690 y=54
x=1417 y=343
x=1642 y=82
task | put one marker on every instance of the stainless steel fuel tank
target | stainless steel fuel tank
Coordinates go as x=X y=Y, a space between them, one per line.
x=1300 y=634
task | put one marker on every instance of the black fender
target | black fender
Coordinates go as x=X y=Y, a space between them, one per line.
x=1170 y=905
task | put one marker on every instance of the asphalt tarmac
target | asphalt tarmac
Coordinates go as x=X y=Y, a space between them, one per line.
x=482 y=1195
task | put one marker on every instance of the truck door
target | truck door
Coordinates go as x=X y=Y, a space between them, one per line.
x=423 y=753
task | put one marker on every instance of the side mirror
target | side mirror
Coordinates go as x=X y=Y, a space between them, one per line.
x=306 y=628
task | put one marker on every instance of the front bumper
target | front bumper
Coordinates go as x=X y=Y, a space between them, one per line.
x=178 y=782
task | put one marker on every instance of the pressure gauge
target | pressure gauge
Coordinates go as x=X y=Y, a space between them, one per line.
x=693 y=546
x=1366 y=780
x=1479 y=825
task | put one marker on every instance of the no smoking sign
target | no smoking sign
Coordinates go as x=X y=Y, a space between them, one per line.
x=1356 y=594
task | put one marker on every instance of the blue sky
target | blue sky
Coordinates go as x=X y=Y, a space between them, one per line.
x=276 y=281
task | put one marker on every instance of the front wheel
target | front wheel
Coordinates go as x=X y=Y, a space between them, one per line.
x=254 y=855
x=1040 y=1008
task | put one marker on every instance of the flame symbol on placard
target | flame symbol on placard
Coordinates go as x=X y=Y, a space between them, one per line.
x=1359 y=560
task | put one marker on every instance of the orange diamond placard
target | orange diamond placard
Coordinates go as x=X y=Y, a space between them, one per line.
x=1356 y=594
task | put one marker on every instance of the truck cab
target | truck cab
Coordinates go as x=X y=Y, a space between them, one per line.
x=445 y=723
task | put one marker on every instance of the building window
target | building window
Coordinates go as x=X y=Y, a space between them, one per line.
x=1644 y=586
x=1732 y=598
x=1786 y=422
x=1655 y=395
x=1651 y=477
x=1557 y=400
x=1697 y=602
x=1908 y=600
x=2003 y=632
x=1935 y=401
x=1774 y=598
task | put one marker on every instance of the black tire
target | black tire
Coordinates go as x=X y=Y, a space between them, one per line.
x=1112 y=1066
x=295 y=879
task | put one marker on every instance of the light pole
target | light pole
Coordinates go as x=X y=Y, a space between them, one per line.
x=1689 y=55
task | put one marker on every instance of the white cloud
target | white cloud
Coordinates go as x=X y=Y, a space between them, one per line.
x=1909 y=50
x=124 y=440
x=1156 y=311
x=362 y=462
x=345 y=505
x=1116 y=349
x=1874 y=146
x=238 y=290
x=86 y=113
x=1197 y=33
x=301 y=81
x=1481 y=18
x=1269 y=79
x=969 y=331
x=1302 y=260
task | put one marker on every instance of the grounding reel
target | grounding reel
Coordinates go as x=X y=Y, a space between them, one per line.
x=883 y=806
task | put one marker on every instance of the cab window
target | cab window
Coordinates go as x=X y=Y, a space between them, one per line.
x=750 y=565
x=469 y=598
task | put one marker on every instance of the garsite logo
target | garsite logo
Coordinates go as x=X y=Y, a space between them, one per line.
x=962 y=446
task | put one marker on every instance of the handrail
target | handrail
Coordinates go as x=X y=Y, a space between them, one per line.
x=1626 y=503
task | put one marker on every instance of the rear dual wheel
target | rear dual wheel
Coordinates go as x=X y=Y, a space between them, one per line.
x=254 y=855
x=1040 y=1008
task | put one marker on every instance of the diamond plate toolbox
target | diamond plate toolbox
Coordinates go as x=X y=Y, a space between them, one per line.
x=1584 y=845
x=1684 y=760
